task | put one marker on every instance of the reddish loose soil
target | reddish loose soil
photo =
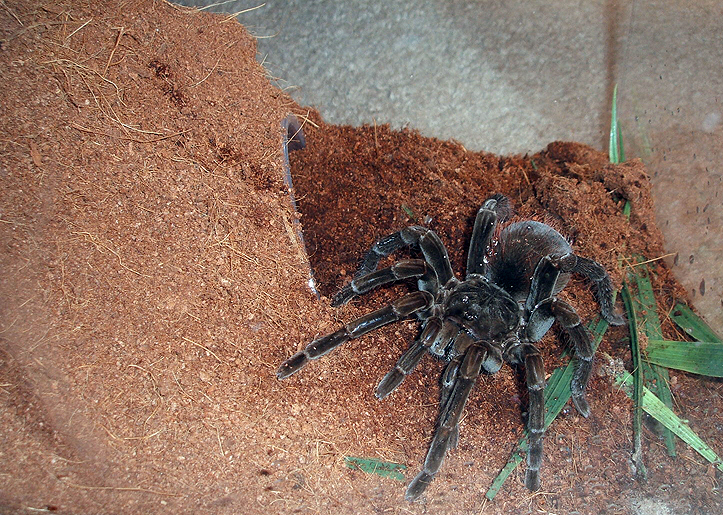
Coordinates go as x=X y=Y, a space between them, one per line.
x=153 y=280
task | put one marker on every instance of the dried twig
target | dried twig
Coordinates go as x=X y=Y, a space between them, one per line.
x=121 y=30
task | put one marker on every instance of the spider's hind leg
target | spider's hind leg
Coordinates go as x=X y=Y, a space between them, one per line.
x=570 y=321
x=535 y=375
x=527 y=354
x=402 y=308
x=604 y=287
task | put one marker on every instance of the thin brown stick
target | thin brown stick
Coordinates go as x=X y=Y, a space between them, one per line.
x=128 y=138
x=223 y=52
x=233 y=15
x=160 y=138
x=99 y=245
x=121 y=30
x=76 y=30
x=204 y=348
x=12 y=14
x=121 y=489
x=306 y=119
x=633 y=265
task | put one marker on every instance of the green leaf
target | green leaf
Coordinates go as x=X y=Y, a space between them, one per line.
x=705 y=358
x=660 y=412
x=646 y=312
x=409 y=212
x=627 y=208
x=374 y=466
x=637 y=378
x=693 y=324
x=616 y=151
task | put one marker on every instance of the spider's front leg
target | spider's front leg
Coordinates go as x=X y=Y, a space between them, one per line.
x=535 y=375
x=411 y=358
x=405 y=269
x=436 y=337
x=491 y=365
x=426 y=240
x=446 y=430
x=398 y=310
x=495 y=209
x=477 y=356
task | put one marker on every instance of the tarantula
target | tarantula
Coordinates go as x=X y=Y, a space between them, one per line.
x=505 y=305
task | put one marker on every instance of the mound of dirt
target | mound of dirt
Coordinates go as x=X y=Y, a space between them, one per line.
x=149 y=261
x=153 y=279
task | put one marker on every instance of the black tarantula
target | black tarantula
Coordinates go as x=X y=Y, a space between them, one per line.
x=506 y=303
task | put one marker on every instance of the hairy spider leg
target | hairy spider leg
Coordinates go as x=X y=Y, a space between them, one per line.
x=546 y=308
x=466 y=376
x=539 y=321
x=491 y=365
x=446 y=337
x=437 y=337
x=566 y=316
x=447 y=383
x=397 y=310
x=434 y=251
x=542 y=288
x=401 y=270
x=535 y=375
x=603 y=288
x=494 y=209
x=542 y=310
x=410 y=359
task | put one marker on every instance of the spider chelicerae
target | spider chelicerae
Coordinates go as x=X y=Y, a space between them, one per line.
x=506 y=303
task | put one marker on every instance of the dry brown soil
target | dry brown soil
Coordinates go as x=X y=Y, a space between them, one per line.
x=153 y=280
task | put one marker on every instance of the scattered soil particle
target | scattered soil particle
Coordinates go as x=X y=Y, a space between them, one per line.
x=152 y=281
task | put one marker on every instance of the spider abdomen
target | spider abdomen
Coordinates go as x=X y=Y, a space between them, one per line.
x=520 y=247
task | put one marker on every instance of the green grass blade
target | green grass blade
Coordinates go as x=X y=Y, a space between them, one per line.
x=557 y=394
x=616 y=152
x=693 y=324
x=408 y=211
x=627 y=208
x=374 y=466
x=647 y=309
x=517 y=456
x=646 y=312
x=637 y=393
x=705 y=358
x=660 y=412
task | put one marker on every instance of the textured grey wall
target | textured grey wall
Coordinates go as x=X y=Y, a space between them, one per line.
x=512 y=76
